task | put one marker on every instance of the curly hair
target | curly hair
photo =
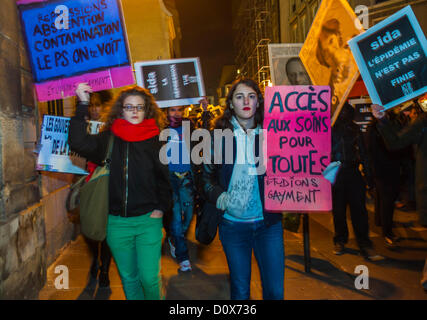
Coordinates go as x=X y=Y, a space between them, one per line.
x=115 y=109
x=224 y=121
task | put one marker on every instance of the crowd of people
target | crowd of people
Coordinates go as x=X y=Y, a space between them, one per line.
x=146 y=195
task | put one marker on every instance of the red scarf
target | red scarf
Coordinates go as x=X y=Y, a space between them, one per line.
x=91 y=169
x=135 y=132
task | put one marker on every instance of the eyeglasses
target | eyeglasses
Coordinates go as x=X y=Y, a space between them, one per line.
x=130 y=108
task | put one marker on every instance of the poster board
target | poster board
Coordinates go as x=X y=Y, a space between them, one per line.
x=325 y=53
x=55 y=154
x=363 y=116
x=286 y=67
x=175 y=82
x=392 y=58
x=93 y=48
x=297 y=120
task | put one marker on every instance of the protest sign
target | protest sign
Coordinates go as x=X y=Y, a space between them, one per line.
x=325 y=53
x=362 y=113
x=286 y=67
x=297 y=120
x=83 y=41
x=55 y=154
x=392 y=59
x=175 y=82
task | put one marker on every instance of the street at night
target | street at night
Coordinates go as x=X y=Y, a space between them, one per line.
x=206 y=152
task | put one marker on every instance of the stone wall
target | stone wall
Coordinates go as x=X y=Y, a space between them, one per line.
x=22 y=254
x=34 y=225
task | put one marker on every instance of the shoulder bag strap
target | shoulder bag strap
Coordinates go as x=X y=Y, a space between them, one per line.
x=107 y=159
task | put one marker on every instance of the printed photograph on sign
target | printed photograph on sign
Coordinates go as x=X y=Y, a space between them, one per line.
x=325 y=53
x=91 y=48
x=298 y=124
x=175 y=82
x=392 y=59
x=286 y=67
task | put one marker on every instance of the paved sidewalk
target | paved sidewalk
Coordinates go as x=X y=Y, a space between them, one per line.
x=332 y=277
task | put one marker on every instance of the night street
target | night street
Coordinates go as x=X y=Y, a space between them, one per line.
x=332 y=277
x=292 y=133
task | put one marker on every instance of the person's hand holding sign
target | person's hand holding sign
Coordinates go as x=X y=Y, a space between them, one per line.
x=83 y=90
x=378 y=111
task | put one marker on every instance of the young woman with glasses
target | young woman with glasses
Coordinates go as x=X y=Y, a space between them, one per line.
x=139 y=187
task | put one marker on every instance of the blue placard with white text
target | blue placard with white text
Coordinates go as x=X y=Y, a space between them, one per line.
x=392 y=59
x=95 y=38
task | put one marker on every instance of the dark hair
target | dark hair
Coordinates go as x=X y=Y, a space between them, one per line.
x=115 y=110
x=224 y=121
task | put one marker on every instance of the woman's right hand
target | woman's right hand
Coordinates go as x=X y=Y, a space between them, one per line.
x=82 y=92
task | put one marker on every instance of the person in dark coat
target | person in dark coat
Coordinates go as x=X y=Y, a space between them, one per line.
x=350 y=187
x=386 y=167
x=414 y=134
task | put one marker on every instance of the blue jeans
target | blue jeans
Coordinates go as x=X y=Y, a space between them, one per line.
x=182 y=213
x=238 y=239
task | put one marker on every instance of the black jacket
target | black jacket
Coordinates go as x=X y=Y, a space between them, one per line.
x=385 y=163
x=139 y=182
x=349 y=148
x=414 y=134
x=216 y=179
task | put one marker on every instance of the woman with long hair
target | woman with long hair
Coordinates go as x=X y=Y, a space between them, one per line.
x=98 y=102
x=139 y=187
x=238 y=191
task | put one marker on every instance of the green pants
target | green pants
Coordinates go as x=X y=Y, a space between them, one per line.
x=135 y=243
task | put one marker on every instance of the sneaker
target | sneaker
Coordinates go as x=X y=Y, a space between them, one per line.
x=370 y=254
x=185 y=266
x=172 y=248
x=339 y=248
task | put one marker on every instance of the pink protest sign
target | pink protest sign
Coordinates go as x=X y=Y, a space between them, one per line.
x=72 y=41
x=298 y=124
x=102 y=80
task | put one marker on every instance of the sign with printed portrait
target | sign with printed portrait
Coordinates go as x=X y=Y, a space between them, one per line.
x=392 y=58
x=175 y=82
x=74 y=41
x=286 y=67
x=325 y=53
x=298 y=124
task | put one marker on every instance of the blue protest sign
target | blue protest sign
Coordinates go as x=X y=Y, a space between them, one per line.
x=391 y=57
x=55 y=154
x=93 y=38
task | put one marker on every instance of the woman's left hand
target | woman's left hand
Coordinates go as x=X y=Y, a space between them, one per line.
x=156 y=214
